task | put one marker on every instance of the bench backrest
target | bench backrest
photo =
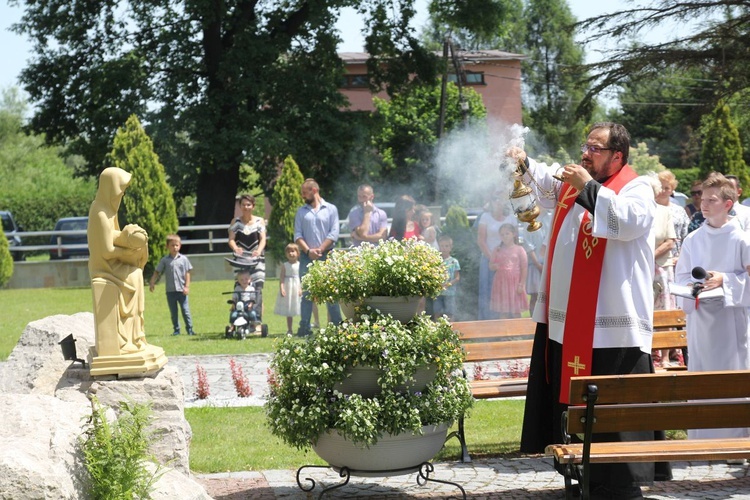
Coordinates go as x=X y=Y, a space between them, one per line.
x=513 y=338
x=660 y=401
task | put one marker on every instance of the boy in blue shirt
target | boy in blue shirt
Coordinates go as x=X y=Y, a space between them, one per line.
x=445 y=303
x=176 y=267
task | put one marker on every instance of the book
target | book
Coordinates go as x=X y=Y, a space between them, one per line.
x=716 y=294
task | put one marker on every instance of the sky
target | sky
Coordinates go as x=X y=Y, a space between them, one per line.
x=15 y=49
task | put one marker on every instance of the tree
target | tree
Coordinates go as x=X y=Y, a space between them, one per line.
x=665 y=111
x=553 y=87
x=220 y=83
x=37 y=185
x=643 y=162
x=148 y=201
x=286 y=200
x=722 y=150
x=500 y=28
x=718 y=43
x=407 y=129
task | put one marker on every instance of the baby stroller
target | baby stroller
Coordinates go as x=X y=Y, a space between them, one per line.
x=245 y=317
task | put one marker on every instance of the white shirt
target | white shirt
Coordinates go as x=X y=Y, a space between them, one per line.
x=625 y=302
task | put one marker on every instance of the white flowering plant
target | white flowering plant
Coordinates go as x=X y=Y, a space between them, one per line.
x=303 y=401
x=392 y=268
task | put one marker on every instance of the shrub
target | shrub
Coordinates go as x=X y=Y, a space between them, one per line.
x=116 y=452
x=148 y=201
x=286 y=200
x=6 y=261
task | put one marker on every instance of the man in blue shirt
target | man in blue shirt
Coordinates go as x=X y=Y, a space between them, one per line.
x=367 y=222
x=316 y=230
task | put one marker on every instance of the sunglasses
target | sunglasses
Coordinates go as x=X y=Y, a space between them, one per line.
x=695 y=193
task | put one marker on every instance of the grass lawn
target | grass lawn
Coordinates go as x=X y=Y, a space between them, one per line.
x=207 y=304
x=237 y=439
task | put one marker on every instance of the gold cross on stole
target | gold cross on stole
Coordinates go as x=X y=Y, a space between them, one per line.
x=576 y=365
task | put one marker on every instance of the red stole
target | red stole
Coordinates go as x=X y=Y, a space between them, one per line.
x=578 y=335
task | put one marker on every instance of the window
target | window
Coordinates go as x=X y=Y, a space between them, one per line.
x=355 y=81
x=470 y=78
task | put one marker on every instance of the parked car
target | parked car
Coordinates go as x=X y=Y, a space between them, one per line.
x=11 y=230
x=70 y=224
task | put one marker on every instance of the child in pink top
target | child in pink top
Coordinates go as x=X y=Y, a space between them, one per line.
x=509 y=262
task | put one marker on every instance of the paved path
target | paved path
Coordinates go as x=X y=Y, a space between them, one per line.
x=491 y=479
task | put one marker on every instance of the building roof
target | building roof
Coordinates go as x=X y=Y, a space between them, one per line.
x=468 y=55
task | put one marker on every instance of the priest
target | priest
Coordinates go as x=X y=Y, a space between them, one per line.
x=595 y=310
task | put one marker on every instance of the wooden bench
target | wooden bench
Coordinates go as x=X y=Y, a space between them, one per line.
x=512 y=339
x=652 y=402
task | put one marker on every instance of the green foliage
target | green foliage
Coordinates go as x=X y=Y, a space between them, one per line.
x=642 y=162
x=6 y=261
x=116 y=452
x=722 y=149
x=685 y=178
x=455 y=220
x=148 y=200
x=303 y=401
x=407 y=130
x=37 y=185
x=286 y=200
x=553 y=90
x=466 y=251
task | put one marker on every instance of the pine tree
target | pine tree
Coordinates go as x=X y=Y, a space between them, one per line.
x=6 y=261
x=286 y=200
x=148 y=201
x=722 y=148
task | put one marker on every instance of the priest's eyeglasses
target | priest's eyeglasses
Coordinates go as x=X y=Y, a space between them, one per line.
x=594 y=150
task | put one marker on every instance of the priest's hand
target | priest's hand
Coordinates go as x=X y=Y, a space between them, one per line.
x=713 y=280
x=575 y=175
x=516 y=153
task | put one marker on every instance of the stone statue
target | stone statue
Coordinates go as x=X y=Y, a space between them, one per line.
x=117 y=258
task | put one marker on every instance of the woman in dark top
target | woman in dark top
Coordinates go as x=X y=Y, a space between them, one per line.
x=247 y=239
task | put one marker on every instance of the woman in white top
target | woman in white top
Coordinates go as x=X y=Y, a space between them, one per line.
x=488 y=238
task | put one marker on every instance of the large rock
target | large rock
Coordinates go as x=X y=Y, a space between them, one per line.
x=36 y=364
x=38 y=450
x=44 y=406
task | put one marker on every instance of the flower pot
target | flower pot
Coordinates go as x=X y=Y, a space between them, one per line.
x=363 y=380
x=391 y=455
x=401 y=308
x=347 y=309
